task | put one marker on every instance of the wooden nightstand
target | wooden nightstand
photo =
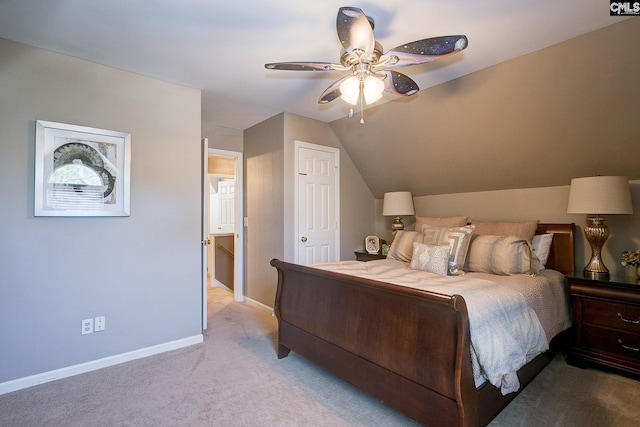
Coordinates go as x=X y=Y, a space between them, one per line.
x=606 y=323
x=366 y=256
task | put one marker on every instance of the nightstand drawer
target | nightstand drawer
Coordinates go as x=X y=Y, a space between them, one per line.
x=615 y=342
x=616 y=315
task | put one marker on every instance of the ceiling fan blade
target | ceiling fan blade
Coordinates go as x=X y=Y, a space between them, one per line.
x=304 y=66
x=332 y=92
x=422 y=51
x=398 y=83
x=355 y=32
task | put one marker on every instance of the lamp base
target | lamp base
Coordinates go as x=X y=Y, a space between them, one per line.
x=397 y=225
x=596 y=233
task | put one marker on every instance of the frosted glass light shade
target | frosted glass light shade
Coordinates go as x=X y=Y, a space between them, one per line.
x=350 y=89
x=600 y=195
x=398 y=203
x=373 y=88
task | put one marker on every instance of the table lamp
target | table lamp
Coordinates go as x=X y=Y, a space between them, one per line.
x=396 y=204
x=596 y=196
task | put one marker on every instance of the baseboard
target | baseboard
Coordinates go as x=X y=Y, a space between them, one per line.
x=45 y=377
x=259 y=305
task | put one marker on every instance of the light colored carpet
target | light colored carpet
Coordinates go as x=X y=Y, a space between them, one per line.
x=235 y=379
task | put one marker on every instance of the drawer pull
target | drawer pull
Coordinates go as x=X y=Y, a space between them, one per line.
x=626 y=347
x=635 y=322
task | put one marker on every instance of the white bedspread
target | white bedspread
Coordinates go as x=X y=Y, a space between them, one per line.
x=511 y=318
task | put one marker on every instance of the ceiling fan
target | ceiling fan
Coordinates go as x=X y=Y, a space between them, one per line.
x=363 y=56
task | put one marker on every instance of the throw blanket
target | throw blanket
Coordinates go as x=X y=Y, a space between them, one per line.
x=505 y=331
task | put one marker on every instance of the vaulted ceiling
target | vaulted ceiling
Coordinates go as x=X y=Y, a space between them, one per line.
x=221 y=47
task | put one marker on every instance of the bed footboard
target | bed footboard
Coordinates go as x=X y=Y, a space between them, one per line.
x=408 y=348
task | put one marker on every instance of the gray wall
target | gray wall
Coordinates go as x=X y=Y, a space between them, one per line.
x=142 y=272
x=264 y=206
x=222 y=137
x=268 y=153
x=546 y=204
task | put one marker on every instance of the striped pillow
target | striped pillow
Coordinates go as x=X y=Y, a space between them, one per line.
x=457 y=238
x=503 y=255
x=402 y=245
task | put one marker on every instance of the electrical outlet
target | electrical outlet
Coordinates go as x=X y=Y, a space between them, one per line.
x=100 y=323
x=87 y=326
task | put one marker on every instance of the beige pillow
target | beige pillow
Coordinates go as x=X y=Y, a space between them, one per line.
x=434 y=259
x=441 y=221
x=457 y=238
x=502 y=255
x=525 y=230
x=402 y=245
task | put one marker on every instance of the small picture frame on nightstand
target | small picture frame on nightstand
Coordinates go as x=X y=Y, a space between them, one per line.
x=372 y=244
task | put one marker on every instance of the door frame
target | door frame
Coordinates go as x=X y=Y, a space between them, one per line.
x=238 y=240
x=296 y=220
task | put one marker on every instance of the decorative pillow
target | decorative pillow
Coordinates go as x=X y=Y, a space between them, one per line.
x=502 y=255
x=541 y=247
x=457 y=238
x=402 y=245
x=525 y=230
x=441 y=221
x=434 y=259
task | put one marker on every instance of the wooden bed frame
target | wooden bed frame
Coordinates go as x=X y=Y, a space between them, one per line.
x=406 y=347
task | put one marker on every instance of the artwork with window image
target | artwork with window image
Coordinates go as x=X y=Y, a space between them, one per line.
x=81 y=171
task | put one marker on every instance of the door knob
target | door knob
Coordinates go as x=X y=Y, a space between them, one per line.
x=303 y=239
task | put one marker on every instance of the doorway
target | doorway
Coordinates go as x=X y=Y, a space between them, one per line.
x=223 y=221
x=222 y=207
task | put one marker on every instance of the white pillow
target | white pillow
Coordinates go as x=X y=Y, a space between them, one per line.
x=541 y=247
x=431 y=258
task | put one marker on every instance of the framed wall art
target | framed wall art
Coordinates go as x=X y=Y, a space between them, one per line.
x=81 y=171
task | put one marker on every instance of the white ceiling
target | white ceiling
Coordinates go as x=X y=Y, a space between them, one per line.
x=221 y=46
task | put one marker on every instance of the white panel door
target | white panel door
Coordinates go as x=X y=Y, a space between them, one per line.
x=226 y=206
x=317 y=205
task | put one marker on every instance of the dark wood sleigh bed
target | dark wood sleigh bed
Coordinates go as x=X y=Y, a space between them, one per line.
x=406 y=347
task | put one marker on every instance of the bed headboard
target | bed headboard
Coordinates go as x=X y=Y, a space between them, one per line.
x=561 y=257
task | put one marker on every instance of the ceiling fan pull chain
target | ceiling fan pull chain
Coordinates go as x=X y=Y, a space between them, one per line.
x=361 y=101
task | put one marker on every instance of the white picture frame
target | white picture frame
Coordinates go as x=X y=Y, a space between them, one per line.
x=81 y=171
x=372 y=244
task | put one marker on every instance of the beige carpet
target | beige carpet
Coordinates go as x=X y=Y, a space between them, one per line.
x=235 y=379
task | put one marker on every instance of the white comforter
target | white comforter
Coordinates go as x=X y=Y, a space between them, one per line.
x=511 y=318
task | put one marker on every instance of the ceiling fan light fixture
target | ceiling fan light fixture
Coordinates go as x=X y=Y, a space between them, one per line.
x=364 y=56
x=373 y=88
x=350 y=90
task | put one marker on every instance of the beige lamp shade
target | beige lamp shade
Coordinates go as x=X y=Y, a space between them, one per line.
x=600 y=195
x=398 y=203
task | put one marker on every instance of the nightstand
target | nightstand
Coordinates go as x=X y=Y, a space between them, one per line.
x=366 y=256
x=606 y=323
